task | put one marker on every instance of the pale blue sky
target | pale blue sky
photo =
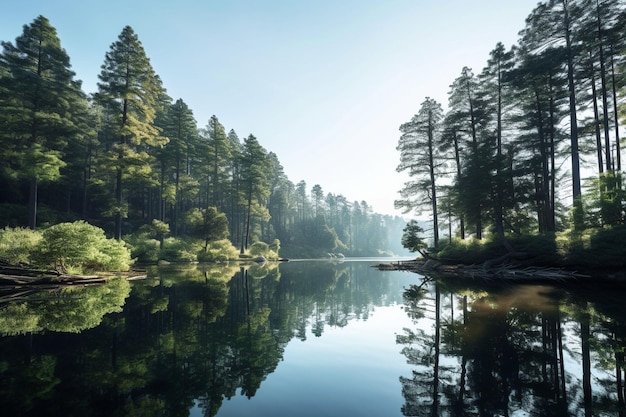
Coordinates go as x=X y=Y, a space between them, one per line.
x=324 y=84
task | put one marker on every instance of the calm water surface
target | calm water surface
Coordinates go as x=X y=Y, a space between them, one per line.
x=312 y=338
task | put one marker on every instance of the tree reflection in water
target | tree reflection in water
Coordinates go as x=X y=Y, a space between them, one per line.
x=188 y=337
x=529 y=349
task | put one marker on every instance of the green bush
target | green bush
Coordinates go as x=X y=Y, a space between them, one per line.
x=275 y=247
x=79 y=247
x=258 y=249
x=146 y=250
x=594 y=248
x=177 y=250
x=470 y=251
x=219 y=250
x=265 y=250
x=540 y=249
x=17 y=244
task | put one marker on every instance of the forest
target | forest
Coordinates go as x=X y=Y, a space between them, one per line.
x=530 y=146
x=133 y=161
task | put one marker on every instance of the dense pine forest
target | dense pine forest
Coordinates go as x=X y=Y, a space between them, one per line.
x=134 y=162
x=531 y=144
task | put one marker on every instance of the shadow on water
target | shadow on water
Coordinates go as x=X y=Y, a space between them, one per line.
x=514 y=350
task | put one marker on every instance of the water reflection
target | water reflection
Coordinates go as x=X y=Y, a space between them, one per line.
x=521 y=350
x=187 y=338
x=64 y=309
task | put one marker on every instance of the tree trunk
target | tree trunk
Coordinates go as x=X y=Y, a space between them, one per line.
x=575 y=154
x=618 y=158
x=605 y=106
x=32 y=204
x=118 y=200
x=596 y=115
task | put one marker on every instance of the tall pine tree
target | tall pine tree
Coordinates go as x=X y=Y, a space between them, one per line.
x=129 y=91
x=418 y=146
x=41 y=108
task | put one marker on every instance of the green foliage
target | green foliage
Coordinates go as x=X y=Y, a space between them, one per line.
x=145 y=250
x=80 y=247
x=411 y=239
x=68 y=310
x=13 y=215
x=177 y=250
x=275 y=246
x=265 y=250
x=207 y=224
x=470 y=251
x=540 y=249
x=144 y=159
x=129 y=92
x=17 y=244
x=156 y=229
x=594 y=248
x=258 y=249
x=218 y=251
x=604 y=201
x=41 y=108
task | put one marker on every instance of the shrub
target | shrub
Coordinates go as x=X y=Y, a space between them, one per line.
x=540 y=249
x=263 y=249
x=176 y=250
x=17 y=244
x=219 y=250
x=470 y=251
x=146 y=250
x=258 y=249
x=79 y=247
x=594 y=248
x=275 y=246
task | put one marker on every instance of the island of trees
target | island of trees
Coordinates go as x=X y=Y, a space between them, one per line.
x=133 y=162
x=525 y=163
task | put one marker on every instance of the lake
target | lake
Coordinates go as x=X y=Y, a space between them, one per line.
x=312 y=338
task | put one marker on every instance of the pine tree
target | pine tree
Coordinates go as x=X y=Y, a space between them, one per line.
x=180 y=127
x=41 y=109
x=552 y=26
x=219 y=162
x=418 y=146
x=129 y=91
x=495 y=94
x=255 y=187
x=470 y=115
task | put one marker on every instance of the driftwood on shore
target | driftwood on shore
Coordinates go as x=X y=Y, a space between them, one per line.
x=18 y=276
x=485 y=272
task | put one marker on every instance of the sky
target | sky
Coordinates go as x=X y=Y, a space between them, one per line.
x=324 y=84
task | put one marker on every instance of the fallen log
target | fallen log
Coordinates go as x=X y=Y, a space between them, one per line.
x=492 y=273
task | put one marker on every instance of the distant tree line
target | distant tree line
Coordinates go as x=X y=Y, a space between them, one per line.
x=129 y=155
x=530 y=145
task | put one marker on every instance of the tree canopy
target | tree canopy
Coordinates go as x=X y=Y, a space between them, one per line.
x=132 y=160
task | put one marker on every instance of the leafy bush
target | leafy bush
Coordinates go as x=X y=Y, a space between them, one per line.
x=594 y=248
x=79 y=247
x=258 y=249
x=471 y=251
x=275 y=247
x=219 y=250
x=265 y=250
x=177 y=250
x=17 y=244
x=145 y=250
x=541 y=249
